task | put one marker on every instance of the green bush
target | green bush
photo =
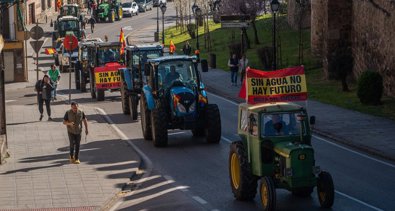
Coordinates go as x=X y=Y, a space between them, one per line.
x=370 y=88
x=265 y=56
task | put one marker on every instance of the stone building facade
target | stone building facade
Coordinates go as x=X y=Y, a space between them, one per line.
x=367 y=26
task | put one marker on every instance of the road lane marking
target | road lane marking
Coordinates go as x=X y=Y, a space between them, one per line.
x=9 y=101
x=327 y=141
x=200 y=200
x=175 y=133
x=355 y=152
x=226 y=139
x=357 y=200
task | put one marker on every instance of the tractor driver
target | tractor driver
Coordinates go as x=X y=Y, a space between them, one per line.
x=276 y=126
x=109 y=55
x=172 y=75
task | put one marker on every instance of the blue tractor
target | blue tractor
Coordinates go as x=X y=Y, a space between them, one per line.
x=132 y=75
x=175 y=98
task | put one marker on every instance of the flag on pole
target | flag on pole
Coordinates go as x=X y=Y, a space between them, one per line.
x=50 y=51
x=172 y=47
x=123 y=42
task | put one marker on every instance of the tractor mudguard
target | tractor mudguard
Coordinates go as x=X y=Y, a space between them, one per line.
x=127 y=78
x=150 y=98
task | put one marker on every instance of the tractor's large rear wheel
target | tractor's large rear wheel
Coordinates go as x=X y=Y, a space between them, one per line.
x=77 y=76
x=268 y=194
x=92 y=85
x=100 y=94
x=242 y=181
x=83 y=82
x=145 y=119
x=133 y=102
x=325 y=190
x=124 y=100
x=213 y=124
x=159 y=127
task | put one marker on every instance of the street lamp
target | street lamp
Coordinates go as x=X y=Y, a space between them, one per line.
x=274 y=6
x=198 y=13
x=157 y=24
x=163 y=9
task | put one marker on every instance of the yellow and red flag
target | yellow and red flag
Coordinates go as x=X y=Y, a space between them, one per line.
x=59 y=3
x=50 y=51
x=283 y=85
x=172 y=47
x=123 y=42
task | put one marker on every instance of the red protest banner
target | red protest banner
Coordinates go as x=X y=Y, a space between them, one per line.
x=283 y=85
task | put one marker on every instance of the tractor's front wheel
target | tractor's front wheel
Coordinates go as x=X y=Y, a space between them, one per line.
x=145 y=119
x=213 y=124
x=325 y=190
x=112 y=16
x=83 y=82
x=77 y=79
x=92 y=85
x=124 y=100
x=242 y=181
x=268 y=194
x=159 y=127
x=133 y=102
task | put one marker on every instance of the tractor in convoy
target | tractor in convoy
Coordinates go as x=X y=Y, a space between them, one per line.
x=109 y=11
x=99 y=64
x=65 y=25
x=175 y=98
x=71 y=10
x=275 y=148
x=132 y=76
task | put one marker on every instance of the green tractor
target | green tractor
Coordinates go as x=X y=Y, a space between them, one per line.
x=109 y=11
x=275 y=148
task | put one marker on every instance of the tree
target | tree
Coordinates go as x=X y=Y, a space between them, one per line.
x=341 y=64
x=245 y=7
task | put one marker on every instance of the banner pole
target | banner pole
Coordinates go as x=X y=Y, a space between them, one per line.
x=246 y=83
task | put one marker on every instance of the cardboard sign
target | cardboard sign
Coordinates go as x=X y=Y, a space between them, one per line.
x=274 y=86
x=107 y=79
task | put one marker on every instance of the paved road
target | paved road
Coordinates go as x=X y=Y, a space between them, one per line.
x=191 y=171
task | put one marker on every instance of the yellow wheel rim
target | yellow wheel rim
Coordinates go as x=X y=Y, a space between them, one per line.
x=264 y=195
x=113 y=17
x=235 y=170
x=322 y=195
x=120 y=14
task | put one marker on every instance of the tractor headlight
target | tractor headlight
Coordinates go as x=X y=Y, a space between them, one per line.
x=181 y=108
x=192 y=108
x=316 y=170
x=288 y=172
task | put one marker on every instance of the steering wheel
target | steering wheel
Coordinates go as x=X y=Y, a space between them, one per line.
x=176 y=83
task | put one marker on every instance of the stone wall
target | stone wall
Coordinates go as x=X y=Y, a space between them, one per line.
x=373 y=38
x=367 y=26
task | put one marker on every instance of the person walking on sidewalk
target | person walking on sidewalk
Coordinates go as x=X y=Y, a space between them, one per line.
x=186 y=49
x=243 y=65
x=44 y=89
x=92 y=21
x=73 y=119
x=233 y=64
x=54 y=75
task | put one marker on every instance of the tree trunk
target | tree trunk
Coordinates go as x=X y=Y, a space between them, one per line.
x=345 y=85
x=247 y=39
x=255 y=32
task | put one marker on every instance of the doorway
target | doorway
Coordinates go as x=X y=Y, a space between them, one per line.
x=32 y=14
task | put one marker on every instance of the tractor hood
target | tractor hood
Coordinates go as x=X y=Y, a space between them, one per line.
x=183 y=100
x=285 y=149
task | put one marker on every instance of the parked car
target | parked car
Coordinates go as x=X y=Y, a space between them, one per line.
x=144 y=5
x=157 y=3
x=130 y=9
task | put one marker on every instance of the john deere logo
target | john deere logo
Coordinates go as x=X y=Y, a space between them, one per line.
x=302 y=156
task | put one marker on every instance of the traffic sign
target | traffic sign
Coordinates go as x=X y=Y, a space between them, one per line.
x=36 y=45
x=36 y=32
x=235 y=24
x=70 y=42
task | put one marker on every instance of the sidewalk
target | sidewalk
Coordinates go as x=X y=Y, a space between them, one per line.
x=369 y=133
x=38 y=173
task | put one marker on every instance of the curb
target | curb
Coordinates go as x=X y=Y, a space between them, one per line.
x=336 y=139
x=145 y=165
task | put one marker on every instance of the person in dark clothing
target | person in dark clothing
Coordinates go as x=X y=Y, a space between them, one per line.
x=171 y=76
x=92 y=21
x=187 y=48
x=73 y=119
x=44 y=89
x=233 y=64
